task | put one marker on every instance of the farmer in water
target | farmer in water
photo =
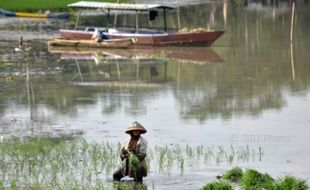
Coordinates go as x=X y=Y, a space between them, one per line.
x=133 y=155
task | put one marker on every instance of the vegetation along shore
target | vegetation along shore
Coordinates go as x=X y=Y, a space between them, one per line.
x=41 y=5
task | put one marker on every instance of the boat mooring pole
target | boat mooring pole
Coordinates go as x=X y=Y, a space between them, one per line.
x=77 y=20
x=292 y=21
x=165 y=21
x=137 y=22
x=108 y=20
x=178 y=15
x=291 y=40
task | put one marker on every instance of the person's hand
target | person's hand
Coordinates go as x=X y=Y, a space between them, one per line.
x=125 y=152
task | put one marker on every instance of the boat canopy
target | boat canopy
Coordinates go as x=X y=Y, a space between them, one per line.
x=117 y=6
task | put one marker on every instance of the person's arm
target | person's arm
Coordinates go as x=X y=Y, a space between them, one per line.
x=142 y=150
x=124 y=154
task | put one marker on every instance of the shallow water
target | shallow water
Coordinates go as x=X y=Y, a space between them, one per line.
x=250 y=89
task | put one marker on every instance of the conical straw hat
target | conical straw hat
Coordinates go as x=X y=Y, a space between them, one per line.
x=135 y=126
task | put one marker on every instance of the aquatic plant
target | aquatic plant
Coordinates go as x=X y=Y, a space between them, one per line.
x=234 y=175
x=253 y=179
x=221 y=185
x=291 y=183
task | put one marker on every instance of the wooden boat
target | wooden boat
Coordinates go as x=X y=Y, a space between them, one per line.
x=159 y=39
x=196 y=37
x=61 y=15
x=113 y=43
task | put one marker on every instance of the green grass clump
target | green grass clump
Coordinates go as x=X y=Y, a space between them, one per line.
x=233 y=175
x=291 y=183
x=253 y=180
x=217 y=186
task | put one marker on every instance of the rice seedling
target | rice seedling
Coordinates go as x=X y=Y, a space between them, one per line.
x=56 y=162
x=291 y=183
x=234 y=175
x=221 y=185
x=133 y=163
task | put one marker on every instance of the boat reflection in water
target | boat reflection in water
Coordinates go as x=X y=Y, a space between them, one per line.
x=197 y=55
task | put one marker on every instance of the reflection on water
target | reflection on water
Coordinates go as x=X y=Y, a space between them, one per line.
x=199 y=55
x=252 y=84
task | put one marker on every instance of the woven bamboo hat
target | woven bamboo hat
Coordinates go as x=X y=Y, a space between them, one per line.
x=135 y=126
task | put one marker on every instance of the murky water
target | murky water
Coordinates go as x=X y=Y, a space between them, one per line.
x=250 y=89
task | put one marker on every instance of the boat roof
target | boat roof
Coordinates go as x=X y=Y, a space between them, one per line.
x=117 y=6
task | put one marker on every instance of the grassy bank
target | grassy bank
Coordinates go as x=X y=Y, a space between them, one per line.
x=36 y=5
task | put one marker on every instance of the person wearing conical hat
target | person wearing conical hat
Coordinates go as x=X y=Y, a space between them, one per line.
x=137 y=146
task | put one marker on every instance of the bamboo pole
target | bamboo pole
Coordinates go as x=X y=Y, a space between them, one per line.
x=77 y=20
x=291 y=41
x=115 y=17
x=292 y=21
x=178 y=15
x=225 y=13
x=137 y=22
x=165 y=21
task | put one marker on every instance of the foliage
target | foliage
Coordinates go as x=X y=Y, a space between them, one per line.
x=36 y=5
x=253 y=180
x=291 y=183
x=239 y=2
x=217 y=186
x=234 y=175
